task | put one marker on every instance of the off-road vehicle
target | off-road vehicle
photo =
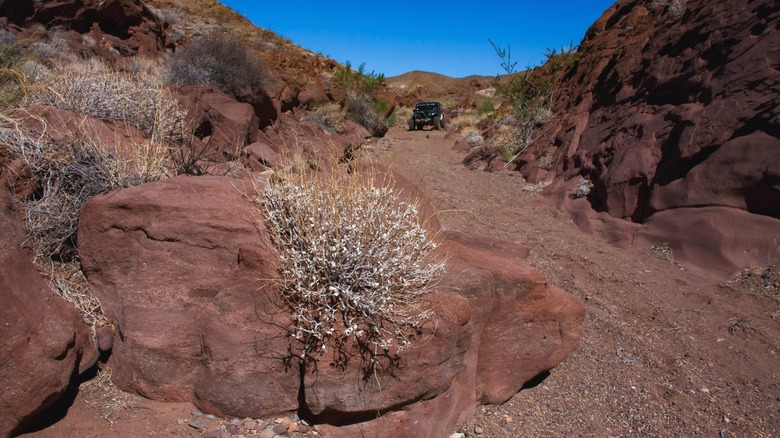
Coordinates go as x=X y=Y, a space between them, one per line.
x=427 y=113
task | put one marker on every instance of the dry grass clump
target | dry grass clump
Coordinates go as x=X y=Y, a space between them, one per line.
x=90 y=87
x=355 y=260
x=329 y=116
x=69 y=282
x=465 y=120
x=69 y=173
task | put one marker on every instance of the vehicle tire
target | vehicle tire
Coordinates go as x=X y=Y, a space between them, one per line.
x=436 y=123
x=441 y=123
x=411 y=125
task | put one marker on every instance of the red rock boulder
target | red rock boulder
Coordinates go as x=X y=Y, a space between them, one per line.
x=45 y=342
x=183 y=266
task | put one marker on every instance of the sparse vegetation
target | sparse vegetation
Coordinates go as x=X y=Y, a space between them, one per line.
x=13 y=81
x=529 y=96
x=355 y=260
x=362 y=106
x=90 y=87
x=219 y=60
x=676 y=8
x=329 y=115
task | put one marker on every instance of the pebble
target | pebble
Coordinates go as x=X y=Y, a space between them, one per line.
x=215 y=432
x=267 y=433
x=478 y=430
x=235 y=422
x=280 y=429
x=195 y=424
x=457 y=435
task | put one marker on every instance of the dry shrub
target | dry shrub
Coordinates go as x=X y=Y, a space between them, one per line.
x=472 y=137
x=329 y=116
x=355 y=260
x=219 y=60
x=69 y=282
x=361 y=110
x=676 y=8
x=69 y=173
x=467 y=120
x=139 y=97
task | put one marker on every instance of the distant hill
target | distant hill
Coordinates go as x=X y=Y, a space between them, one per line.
x=416 y=86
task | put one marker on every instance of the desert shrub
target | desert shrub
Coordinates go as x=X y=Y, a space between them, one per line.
x=329 y=116
x=361 y=109
x=530 y=95
x=139 y=98
x=355 y=260
x=68 y=174
x=486 y=106
x=472 y=137
x=358 y=81
x=218 y=60
x=362 y=106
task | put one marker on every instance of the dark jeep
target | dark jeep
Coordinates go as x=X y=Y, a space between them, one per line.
x=427 y=113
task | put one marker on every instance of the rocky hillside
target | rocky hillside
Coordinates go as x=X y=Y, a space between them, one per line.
x=671 y=112
x=419 y=86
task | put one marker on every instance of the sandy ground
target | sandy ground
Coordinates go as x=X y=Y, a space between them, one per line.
x=661 y=356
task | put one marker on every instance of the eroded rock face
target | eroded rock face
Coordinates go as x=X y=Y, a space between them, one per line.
x=127 y=26
x=44 y=340
x=668 y=113
x=183 y=266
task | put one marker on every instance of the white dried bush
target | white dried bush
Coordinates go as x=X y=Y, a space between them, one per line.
x=676 y=8
x=139 y=98
x=355 y=261
x=472 y=137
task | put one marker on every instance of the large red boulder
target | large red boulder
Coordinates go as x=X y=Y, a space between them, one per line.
x=184 y=267
x=670 y=110
x=45 y=342
x=224 y=123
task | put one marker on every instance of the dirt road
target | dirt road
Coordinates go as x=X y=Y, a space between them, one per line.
x=660 y=356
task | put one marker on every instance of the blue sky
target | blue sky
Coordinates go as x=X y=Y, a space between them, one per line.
x=447 y=37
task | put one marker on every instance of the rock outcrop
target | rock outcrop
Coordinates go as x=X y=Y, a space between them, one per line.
x=124 y=27
x=671 y=111
x=184 y=267
x=44 y=340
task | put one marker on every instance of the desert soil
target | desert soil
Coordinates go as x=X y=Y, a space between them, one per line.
x=660 y=356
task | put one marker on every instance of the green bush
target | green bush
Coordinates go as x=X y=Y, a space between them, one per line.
x=219 y=60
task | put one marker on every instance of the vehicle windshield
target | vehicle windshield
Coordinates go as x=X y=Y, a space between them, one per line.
x=425 y=106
